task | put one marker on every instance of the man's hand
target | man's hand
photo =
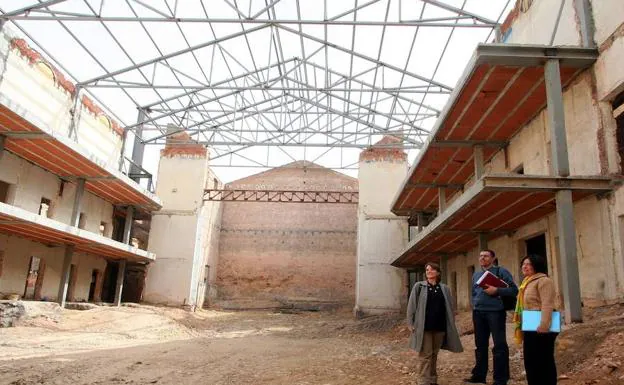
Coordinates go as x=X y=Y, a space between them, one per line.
x=542 y=329
x=491 y=290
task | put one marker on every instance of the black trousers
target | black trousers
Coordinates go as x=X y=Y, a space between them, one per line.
x=486 y=323
x=539 y=358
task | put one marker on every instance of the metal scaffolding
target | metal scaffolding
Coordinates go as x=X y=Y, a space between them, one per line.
x=263 y=82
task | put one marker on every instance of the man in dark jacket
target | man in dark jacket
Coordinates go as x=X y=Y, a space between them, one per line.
x=488 y=317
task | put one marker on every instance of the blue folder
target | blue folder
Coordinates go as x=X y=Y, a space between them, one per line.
x=531 y=320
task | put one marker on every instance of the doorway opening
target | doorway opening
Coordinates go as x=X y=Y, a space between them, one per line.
x=537 y=245
x=34 y=279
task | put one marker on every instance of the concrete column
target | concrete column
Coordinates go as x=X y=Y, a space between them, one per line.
x=138 y=147
x=441 y=200
x=444 y=266
x=483 y=241
x=558 y=139
x=565 y=206
x=569 y=262
x=586 y=22
x=62 y=291
x=120 y=280
x=80 y=186
x=128 y=224
x=122 y=153
x=420 y=218
x=2 y=141
x=478 y=161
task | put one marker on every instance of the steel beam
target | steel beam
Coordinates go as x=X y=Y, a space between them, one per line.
x=479 y=164
x=128 y=225
x=558 y=140
x=64 y=282
x=138 y=147
x=586 y=22
x=441 y=200
x=80 y=188
x=121 y=273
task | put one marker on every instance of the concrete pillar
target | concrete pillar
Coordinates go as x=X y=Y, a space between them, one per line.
x=586 y=22
x=420 y=220
x=121 y=272
x=441 y=200
x=380 y=287
x=2 y=141
x=63 y=285
x=478 y=161
x=176 y=277
x=138 y=147
x=483 y=241
x=444 y=267
x=128 y=225
x=565 y=206
x=80 y=187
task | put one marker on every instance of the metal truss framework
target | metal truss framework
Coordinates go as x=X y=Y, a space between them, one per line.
x=262 y=82
x=281 y=196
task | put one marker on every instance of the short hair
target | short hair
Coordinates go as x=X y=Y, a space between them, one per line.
x=492 y=253
x=537 y=261
x=437 y=268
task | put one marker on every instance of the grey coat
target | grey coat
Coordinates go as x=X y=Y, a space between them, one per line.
x=416 y=318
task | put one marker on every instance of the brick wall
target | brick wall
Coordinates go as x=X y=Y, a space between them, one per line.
x=289 y=251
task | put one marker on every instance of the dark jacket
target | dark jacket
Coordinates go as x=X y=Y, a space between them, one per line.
x=485 y=302
x=416 y=307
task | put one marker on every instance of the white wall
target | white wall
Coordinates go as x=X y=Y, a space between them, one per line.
x=181 y=233
x=16 y=261
x=32 y=87
x=31 y=183
x=536 y=25
x=381 y=237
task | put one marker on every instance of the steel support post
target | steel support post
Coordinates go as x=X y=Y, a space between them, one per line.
x=128 y=224
x=441 y=200
x=121 y=272
x=64 y=284
x=2 y=141
x=444 y=266
x=565 y=206
x=478 y=161
x=80 y=187
x=586 y=22
x=420 y=218
x=138 y=147
x=483 y=241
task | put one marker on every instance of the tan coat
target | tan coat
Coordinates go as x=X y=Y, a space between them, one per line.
x=539 y=294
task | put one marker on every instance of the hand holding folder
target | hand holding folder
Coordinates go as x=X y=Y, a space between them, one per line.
x=490 y=279
x=532 y=318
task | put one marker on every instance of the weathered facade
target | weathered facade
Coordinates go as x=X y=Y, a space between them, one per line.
x=185 y=233
x=591 y=121
x=63 y=199
x=276 y=253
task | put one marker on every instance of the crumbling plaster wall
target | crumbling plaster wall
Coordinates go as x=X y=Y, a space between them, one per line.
x=175 y=234
x=537 y=23
x=33 y=85
x=16 y=261
x=31 y=183
x=592 y=150
x=289 y=251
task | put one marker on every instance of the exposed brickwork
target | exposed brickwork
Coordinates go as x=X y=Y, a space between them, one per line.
x=34 y=57
x=181 y=144
x=378 y=154
x=290 y=251
x=511 y=17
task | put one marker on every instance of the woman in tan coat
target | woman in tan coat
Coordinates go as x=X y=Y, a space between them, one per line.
x=537 y=292
x=431 y=319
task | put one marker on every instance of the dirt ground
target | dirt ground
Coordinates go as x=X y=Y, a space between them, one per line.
x=152 y=345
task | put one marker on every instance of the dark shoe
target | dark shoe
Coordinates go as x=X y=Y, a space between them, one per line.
x=473 y=380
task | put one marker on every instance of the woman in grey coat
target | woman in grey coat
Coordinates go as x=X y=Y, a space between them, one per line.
x=431 y=319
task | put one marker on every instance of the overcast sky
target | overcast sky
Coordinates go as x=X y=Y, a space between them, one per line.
x=437 y=53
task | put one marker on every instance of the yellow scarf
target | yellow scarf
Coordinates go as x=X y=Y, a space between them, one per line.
x=517 y=317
